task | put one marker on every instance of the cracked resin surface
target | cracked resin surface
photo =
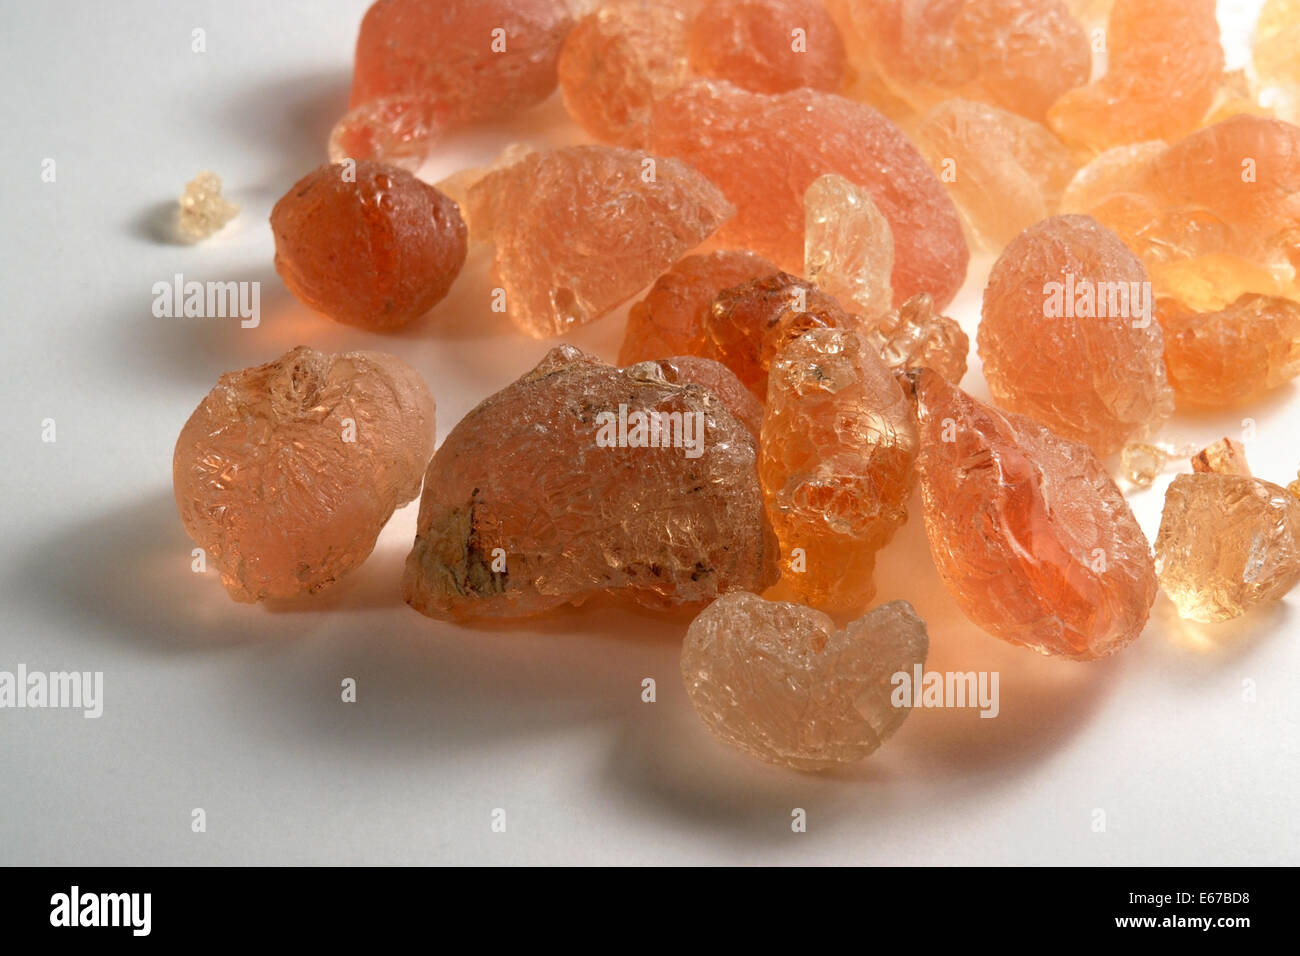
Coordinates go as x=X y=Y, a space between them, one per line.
x=1230 y=355
x=1067 y=334
x=848 y=245
x=1227 y=543
x=779 y=682
x=619 y=60
x=1165 y=64
x=916 y=335
x=1005 y=172
x=765 y=151
x=377 y=251
x=1019 y=55
x=753 y=44
x=836 y=459
x=286 y=472
x=716 y=378
x=1029 y=533
x=426 y=65
x=670 y=320
x=575 y=515
x=582 y=229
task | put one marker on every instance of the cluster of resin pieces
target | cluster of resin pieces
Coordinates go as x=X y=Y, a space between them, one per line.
x=783 y=193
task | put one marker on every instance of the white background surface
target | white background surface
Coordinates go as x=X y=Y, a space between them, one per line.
x=236 y=709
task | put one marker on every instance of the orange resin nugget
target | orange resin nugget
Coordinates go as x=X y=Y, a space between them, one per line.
x=371 y=246
x=836 y=460
x=286 y=472
x=1031 y=536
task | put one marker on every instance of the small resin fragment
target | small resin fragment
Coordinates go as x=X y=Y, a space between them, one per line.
x=848 y=245
x=716 y=378
x=203 y=210
x=581 y=229
x=1224 y=457
x=1164 y=66
x=1068 y=336
x=1019 y=55
x=1227 y=543
x=466 y=60
x=286 y=472
x=399 y=130
x=764 y=151
x=1029 y=533
x=779 y=682
x=368 y=245
x=1230 y=355
x=915 y=335
x=748 y=324
x=1142 y=463
x=836 y=459
x=582 y=479
x=768 y=46
x=1006 y=172
x=670 y=320
x=619 y=60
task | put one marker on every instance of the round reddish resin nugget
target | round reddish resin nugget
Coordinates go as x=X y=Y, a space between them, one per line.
x=769 y=46
x=375 y=250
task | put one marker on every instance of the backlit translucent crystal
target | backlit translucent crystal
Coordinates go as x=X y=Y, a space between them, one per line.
x=779 y=682
x=848 y=245
x=286 y=472
x=1227 y=543
x=1068 y=336
x=1230 y=355
x=539 y=497
x=1029 y=533
x=764 y=151
x=203 y=210
x=916 y=335
x=1164 y=66
x=1274 y=56
x=670 y=320
x=836 y=461
x=581 y=229
x=1006 y=172
x=1224 y=457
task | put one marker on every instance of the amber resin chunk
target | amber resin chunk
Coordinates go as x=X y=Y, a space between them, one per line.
x=1019 y=55
x=1068 y=336
x=836 y=459
x=203 y=210
x=619 y=60
x=286 y=472
x=1033 y=539
x=769 y=46
x=916 y=335
x=764 y=151
x=582 y=229
x=848 y=245
x=1164 y=67
x=779 y=682
x=432 y=64
x=1214 y=216
x=1005 y=172
x=1227 y=543
x=1230 y=355
x=371 y=246
x=670 y=320
x=748 y=324
x=1224 y=457
x=581 y=479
